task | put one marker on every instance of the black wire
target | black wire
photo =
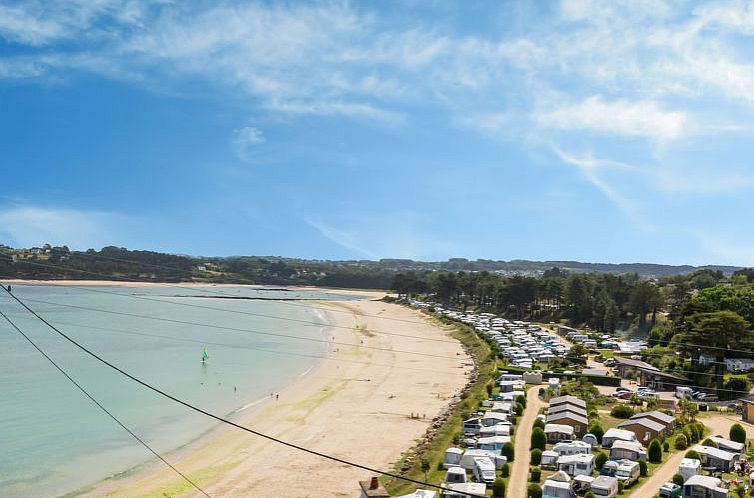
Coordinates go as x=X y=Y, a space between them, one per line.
x=231 y=346
x=219 y=418
x=249 y=331
x=93 y=400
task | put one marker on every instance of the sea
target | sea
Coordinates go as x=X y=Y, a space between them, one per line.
x=56 y=442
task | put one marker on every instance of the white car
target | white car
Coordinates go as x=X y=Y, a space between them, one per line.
x=669 y=489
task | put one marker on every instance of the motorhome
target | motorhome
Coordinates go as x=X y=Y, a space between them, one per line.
x=576 y=465
x=604 y=487
x=492 y=443
x=683 y=392
x=455 y=475
x=471 y=427
x=628 y=473
x=452 y=458
x=467 y=460
x=689 y=467
x=484 y=470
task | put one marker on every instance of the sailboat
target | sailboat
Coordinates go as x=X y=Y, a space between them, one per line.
x=205 y=356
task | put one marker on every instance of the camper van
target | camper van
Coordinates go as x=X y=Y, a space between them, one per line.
x=683 y=392
x=604 y=487
x=471 y=427
x=484 y=470
x=628 y=472
x=452 y=458
x=467 y=460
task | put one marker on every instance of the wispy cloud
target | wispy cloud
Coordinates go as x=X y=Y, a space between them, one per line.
x=27 y=226
x=244 y=141
x=642 y=119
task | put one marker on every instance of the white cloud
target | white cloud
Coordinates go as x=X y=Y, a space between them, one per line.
x=644 y=119
x=21 y=25
x=358 y=110
x=32 y=226
x=245 y=140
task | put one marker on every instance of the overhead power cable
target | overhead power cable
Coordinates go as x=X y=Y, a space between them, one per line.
x=242 y=330
x=101 y=407
x=227 y=345
x=219 y=418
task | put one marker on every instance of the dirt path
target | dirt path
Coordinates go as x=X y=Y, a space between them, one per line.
x=520 y=470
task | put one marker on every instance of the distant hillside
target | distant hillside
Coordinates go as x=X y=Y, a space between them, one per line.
x=48 y=262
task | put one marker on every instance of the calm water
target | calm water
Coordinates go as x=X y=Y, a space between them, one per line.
x=54 y=441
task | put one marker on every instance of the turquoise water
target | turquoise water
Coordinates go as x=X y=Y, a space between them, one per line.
x=55 y=441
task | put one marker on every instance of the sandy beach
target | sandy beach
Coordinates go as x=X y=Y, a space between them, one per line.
x=357 y=405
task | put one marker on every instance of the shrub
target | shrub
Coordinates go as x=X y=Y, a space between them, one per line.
x=498 y=488
x=620 y=486
x=536 y=474
x=681 y=443
x=539 y=423
x=440 y=466
x=521 y=399
x=737 y=433
x=538 y=439
x=589 y=494
x=621 y=411
x=508 y=451
x=505 y=470
x=534 y=491
x=518 y=409
x=665 y=446
x=598 y=431
x=654 y=451
x=642 y=467
x=536 y=456
x=599 y=459
x=678 y=479
x=709 y=442
x=692 y=454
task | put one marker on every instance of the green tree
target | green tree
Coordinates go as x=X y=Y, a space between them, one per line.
x=498 y=488
x=534 y=491
x=425 y=466
x=599 y=459
x=692 y=454
x=538 y=422
x=654 y=451
x=678 y=479
x=715 y=332
x=518 y=409
x=508 y=451
x=577 y=355
x=596 y=428
x=536 y=456
x=737 y=433
x=681 y=442
x=505 y=470
x=642 y=467
x=538 y=439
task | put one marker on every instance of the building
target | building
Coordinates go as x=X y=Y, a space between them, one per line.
x=576 y=420
x=659 y=417
x=645 y=429
x=649 y=375
x=613 y=435
x=704 y=487
x=627 y=450
x=568 y=399
x=717 y=458
x=557 y=432
x=747 y=412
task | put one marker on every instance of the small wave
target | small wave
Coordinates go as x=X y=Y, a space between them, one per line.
x=249 y=405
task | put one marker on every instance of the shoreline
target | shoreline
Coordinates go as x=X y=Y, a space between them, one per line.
x=313 y=410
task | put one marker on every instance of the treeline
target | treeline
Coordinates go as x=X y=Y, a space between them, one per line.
x=604 y=302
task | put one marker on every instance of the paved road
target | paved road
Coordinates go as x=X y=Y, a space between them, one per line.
x=520 y=470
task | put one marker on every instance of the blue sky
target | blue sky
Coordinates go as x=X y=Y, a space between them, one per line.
x=596 y=131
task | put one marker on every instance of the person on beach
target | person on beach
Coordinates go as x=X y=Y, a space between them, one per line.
x=277 y=396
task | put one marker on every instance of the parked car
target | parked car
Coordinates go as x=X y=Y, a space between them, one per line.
x=622 y=389
x=623 y=395
x=609 y=362
x=670 y=490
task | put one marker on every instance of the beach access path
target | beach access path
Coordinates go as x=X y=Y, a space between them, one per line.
x=520 y=469
x=357 y=406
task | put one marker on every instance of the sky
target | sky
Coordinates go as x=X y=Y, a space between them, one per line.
x=574 y=130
